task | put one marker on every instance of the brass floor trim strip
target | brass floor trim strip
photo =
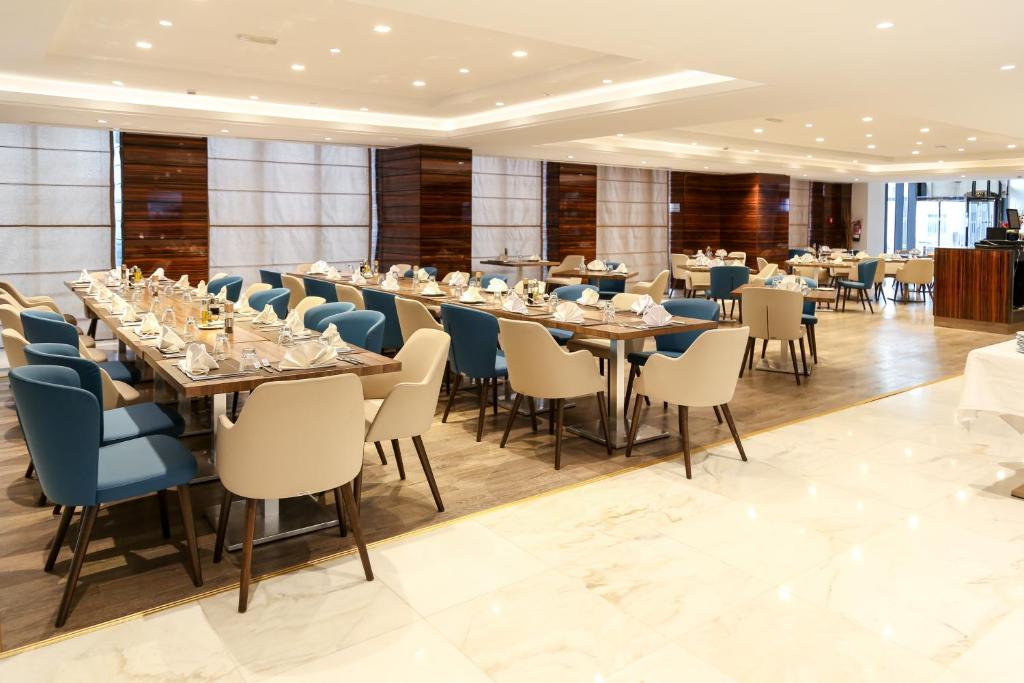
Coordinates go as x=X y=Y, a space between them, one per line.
x=448 y=522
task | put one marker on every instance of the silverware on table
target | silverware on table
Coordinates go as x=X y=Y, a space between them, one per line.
x=265 y=362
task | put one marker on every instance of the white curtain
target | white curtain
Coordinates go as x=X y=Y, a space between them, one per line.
x=799 y=212
x=632 y=218
x=507 y=197
x=54 y=207
x=277 y=204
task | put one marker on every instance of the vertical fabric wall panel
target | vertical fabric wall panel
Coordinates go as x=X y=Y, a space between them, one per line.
x=799 y=210
x=507 y=205
x=54 y=207
x=277 y=204
x=632 y=218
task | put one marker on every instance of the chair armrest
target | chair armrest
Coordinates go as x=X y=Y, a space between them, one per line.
x=380 y=386
x=407 y=411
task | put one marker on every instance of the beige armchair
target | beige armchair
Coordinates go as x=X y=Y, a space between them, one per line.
x=569 y=263
x=28 y=301
x=307 y=303
x=10 y=319
x=350 y=294
x=762 y=263
x=769 y=270
x=413 y=316
x=255 y=287
x=655 y=288
x=292 y=438
x=403 y=268
x=296 y=289
x=448 y=276
x=401 y=405
x=699 y=282
x=704 y=376
x=737 y=256
x=919 y=273
x=774 y=315
x=539 y=368
x=679 y=263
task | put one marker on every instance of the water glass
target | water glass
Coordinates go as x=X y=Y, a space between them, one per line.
x=249 y=360
x=285 y=337
x=552 y=302
x=608 y=313
x=168 y=318
x=186 y=295
x=191 y=330
x=221 y=347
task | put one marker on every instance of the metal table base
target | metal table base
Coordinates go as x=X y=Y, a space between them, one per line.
x=275 y=519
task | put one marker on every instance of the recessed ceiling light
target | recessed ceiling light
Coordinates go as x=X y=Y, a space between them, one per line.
x=607 y=81
x=941 y=161
x=959 y=149
x=166 y=23
x=884 y=25
x=463 y=70
x=571 y=156
x=918 y=142
x=643 y=162
x=808 y=125
x=856 y=180
x=871 y=146
x=298 y=67
x=419 y=84
x=364 y=109
x=759 y=130
x=869 y=135
x=693 y=144
x=916 y=152
x=335 y=50
x=328 y=139
x=519 y=54
x=499 y=104
x=118 y=83
x=810 y=156
x=973 y=138
x=101 y=120
x=963 y=176
x=1008 y=67
x=926 y=130
x=819 y=139
x=705 y=168
x=382 y=28
x=224 y=130
x=254 y=97
x=1011 y=146
x=619 y=135
x=757 y=151
x=805 y=175
x=867 y=119
x=143 y=44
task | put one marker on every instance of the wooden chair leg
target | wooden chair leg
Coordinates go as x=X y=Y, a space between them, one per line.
x=380 y=453
x=451 y=397
x=867 y=299
x=792 y=354
x=634 y=370
x=732 y=429
x=398 y=458
x=764 y=348
x=165 y=517
x=718 y=414
x=339 y=509
x=747 y=354
x=602 y=411
x=41 y=500
x=421 y=451
x=30 y=469
x=803 y=357
x=494 y=395
x=222 y=525
x=81 y=547
x=189 y=522
x=551 y=417
x=483 y=409
x=634 y=425
x=558 y=433
x=357 y=529
x=600 y=365
x=357 y=486
x=234 y=405
x=58 y=538
x=684 y=431
x=247 y=542
x=533 y=413
x=512 y=417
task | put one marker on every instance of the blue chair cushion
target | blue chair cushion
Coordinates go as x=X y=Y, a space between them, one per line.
x=142 y=466
x=144 y=419
x=119 y=372
x=808 y=319
x=853 y=284
x=500 y=365
x=641 y=357
x=561 y=336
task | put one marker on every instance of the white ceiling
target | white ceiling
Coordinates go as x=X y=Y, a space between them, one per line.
x=681 y=73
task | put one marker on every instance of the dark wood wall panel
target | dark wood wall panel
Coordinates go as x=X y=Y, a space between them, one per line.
x=973 y=284
x=164 y=204
x=570 y=210
x=424 y=205
x=829 y=214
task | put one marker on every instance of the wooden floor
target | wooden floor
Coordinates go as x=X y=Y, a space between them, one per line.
x=131 y=568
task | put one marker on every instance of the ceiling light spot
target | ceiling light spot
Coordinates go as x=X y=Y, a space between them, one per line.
x=571 y=157
x=810 y=156
x=963 y=176
x=607 y=81
x=619 y=135
x=916 y=152
x=143 y=44
x=869 y=135
x=808 y=125
x=419 y=84
x=856 y=180
x=118 y=83
x=867 y=119
x=960 y=149
x=101 y=120
x=973 y=138
x=819 y=139
x=757 y=151
x=1011 y=146
x=499 y=104
x=1008 y=67
x=871 y=146
x=463 y=70
x=918 y=142
x=519 y=54
x=298 y=67
x=759 y=130
x=805 y=175
x=884 y=25
x=224 y=130
x=705 y=168
x=643 y=162
x=328 y=139
x=382 y=28
x=364 y=109
x=166 y=23
x=926 y=130
x=335 y=50
x=254 y=97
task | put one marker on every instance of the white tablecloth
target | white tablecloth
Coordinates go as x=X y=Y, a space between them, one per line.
x=994 y=383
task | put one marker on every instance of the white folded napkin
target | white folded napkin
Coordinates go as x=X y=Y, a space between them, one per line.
x=458 y=279
x=703 y=260
x=642 y=304
x=182 y=282
x=84 y=277
x=318 y=268
x=93 y=287
x=838 y=258
x=656 y=316
x=150 y=325
x=267 y=316
x=103 y=294
x=169 y=340
x=307 y=355
x=294 y=322
x=806 y=258
x=721 y=252
x=863 y=255
x=396 y=271
x=197 y=360
x=569 y=312
x=358 y=279
x=201 y=288
x=390 y=283
x=117 y=305
x=791 y=283
x=129 y=315
x=471 y=296
x=514 y=304
x=596 y=264
x=431 y=289
x=332 y=338
x=222 y=295
x=158 y=273
x=715 y=262
x=589 y=297
x=423 y=275
x=332 y=273
x=243 y=307
x=621 y=268
x=497 y=286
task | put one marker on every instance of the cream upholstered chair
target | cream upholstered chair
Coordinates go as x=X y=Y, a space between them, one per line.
x=296 y=290
x=699 y=281
x=813 y=272
x=350 y=294
x=679 y=263
x=292 y=438
x=880 y=273
x=762 y=263
x=10 y=319
x=522 y=284
x=774 y=315
x=413 y=316
x=403 y=268
x=917 y=272
x=655 y=288
x=255 y=287
x=401 y=405
x=6 y=298
x=217 y=276
x=539 y=368
x=737 y=256
x=448 y=276
x=703 y=376
x=28 y=301
x=569 y=263
x=307 y=303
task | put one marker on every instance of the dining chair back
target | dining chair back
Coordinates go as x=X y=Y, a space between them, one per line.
x=277 y=298
x=414 y=316
x=450 y=274
x=572 y=292
x=701 y=309
x=350 y=294
x=625 y=300
x=296 y=290
x=655 y=288
x=724 y=279
x=26 y=301
x=233 y=283
x=384 y=303
x=14 y=346
x=562 y=273
x=866 y=271
x=10 y=316
x=772 y=314
x=89 y=373
x=312 y=317
x=474 y=340
x=762 y=263
x=322 y=288
x=609 y=287
x=813 y=272
x=364 y=329
x=431 y=270
x=737 y=256
x=306 y=303
x=255 y=287
x=47 y=326
x=920 y=271
x=487 y=278
x=271 y=277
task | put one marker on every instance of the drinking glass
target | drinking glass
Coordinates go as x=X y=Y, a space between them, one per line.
x=221 y=347
x=169 y=291
x=552 y=302
x=191 y=329
x=249 y=360
x=285 y=337
x=168 y=318
x=608 y=314
x=186 y=295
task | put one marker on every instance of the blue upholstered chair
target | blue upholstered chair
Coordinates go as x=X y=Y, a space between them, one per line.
x=118 y=424
x=862 y=285
x=430 y=269
x=45 y=327
x=233 y=284
x=271 y=277
x=384 y=302
x=364 y=329
x=672 y=345
x=314 y=315
x=724 y=279
x=321 y=288
x=62 y=424
x=568 y=293
x=278 y=298
x=794 y=253
x=609 y=287
x=475 y=354
x=486 y=279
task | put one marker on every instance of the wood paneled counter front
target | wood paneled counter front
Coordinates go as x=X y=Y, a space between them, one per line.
x=974 y=290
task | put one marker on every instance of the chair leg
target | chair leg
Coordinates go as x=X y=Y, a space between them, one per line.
x=792 y=354
x=189 y=522
x=812 y=342
x=357 y=529
x=511 y=418
x=862 y=297
x=222 y=525
x=845 y=299
x=718 y=414
x=41 y=500
x=533 y=413
x=483 y=409
x=558 y=433
x=634 y=425
x=247 y=541
x=684 y=431
x=602 y=411
x=764 y=348
x=634 y=370
x=81 y=546
x=732 y=428
x=30 y=469
x=339 y=509
x=600 y=365
x=551 y=417
x=451 y=397
x=92 y=327
x=357 y=487
x=421 y=451
x=380 y=453
x=398 y=458
x=234 y=405
x=803 y=357
x=867 y=300
x=165 y=518
x=747 y=355
x=494 y=395
x=58 y=538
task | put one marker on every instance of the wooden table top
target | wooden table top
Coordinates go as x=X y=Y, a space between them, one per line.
x=707 y=269
x=627 y=324
x=245 y=336
x=595 y=274
x=819 y=295
x=519 y=264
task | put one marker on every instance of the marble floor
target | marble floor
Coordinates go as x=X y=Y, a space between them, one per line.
x=878 y=543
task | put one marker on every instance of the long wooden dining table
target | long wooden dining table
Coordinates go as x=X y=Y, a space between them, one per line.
x=275 y=519
x=626 y=327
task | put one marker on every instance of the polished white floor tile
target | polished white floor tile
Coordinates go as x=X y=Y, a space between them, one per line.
x=997 y=655
x=670 y=664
